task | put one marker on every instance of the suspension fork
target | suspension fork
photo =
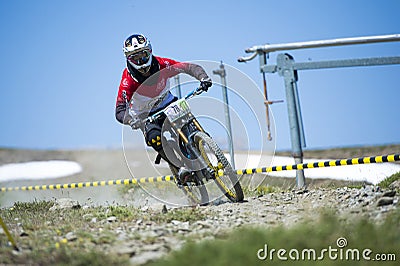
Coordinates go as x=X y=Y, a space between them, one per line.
x=196 y=123
x=181 y=134
x=186 y=134
x=209 y=172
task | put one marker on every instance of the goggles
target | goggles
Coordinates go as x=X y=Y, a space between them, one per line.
x=139 y=58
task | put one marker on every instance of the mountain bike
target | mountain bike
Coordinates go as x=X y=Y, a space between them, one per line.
x=187 y=144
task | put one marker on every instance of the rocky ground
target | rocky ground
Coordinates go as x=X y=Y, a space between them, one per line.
x=144 y=240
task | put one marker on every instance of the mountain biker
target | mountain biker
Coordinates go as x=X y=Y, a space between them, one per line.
x=144 y=83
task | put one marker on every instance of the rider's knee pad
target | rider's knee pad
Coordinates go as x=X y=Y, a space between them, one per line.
x=153 y=136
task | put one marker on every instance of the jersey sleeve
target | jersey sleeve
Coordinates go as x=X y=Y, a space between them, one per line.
x=191 y=69
x=126 y=85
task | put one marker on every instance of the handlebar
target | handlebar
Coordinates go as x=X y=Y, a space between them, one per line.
x=193 y=93
x=155 y=116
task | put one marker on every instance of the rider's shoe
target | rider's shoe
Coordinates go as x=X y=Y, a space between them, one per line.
x=183 y=175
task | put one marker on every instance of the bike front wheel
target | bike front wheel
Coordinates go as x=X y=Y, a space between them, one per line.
x=223 y=174
x=195 y=189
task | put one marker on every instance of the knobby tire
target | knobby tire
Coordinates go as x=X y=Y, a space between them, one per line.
x=228 y=183
x=190 y=189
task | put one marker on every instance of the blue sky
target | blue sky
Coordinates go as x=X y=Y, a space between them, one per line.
x=62 y=62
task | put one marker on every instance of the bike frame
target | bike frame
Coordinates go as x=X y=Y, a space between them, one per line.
x=185 y=127
x=190 y=145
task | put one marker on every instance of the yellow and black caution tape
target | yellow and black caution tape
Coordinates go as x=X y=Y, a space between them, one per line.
x=133 y=181
x=353 y=161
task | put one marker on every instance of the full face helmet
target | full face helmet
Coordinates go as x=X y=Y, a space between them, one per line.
x=138 y=52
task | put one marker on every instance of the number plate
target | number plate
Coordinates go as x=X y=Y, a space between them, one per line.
x=177 y=110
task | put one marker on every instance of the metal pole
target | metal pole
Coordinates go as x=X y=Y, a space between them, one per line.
x=295 y=121
x=299 y=116
x=357 y=62
x=323 y=43
x=178 y=86
x=267 y=48
x=222 y=73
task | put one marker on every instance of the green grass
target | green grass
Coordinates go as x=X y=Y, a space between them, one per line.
x=45 y=243
x=389 y=180
x=241 y=246
x=69 y=257
x=44 y=240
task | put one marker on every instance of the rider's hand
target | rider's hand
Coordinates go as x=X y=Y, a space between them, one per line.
x=205 y=83
x=134 y=123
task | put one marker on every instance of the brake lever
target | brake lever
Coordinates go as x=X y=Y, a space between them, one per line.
x=199 y=91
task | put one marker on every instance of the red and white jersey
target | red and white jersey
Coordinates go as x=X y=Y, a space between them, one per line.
x=154 y=90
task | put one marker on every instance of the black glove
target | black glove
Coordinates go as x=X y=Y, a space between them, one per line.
x=134 y=123
x=205 y=83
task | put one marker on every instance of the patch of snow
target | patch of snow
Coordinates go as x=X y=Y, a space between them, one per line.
x=38 y=170
x=372 y=173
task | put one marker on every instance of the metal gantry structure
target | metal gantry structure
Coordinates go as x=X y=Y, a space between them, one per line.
x=288 y=69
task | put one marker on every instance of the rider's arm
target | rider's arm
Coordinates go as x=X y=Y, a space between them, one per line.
x=120 y=110
x=197 y=72
x=126 y=85
x=191 y=69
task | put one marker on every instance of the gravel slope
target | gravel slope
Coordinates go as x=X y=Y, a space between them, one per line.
x=286 y=207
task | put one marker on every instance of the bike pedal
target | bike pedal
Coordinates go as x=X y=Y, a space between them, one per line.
x=184 y=176
x=213 y=173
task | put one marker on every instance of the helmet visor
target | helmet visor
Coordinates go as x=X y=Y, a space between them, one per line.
x=140 y=58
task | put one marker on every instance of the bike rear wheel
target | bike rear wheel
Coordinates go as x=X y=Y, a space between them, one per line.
x=224 y=176
x=195 y=190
